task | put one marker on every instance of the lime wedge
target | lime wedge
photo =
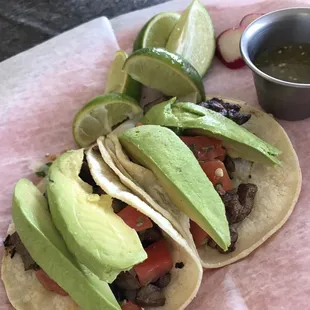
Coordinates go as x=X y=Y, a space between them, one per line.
x=100 y=115
x=156 y=31
x=119 y=81
x=193 y=37
x=164 y=71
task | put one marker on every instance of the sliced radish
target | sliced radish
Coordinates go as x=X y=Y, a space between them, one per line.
x=227 y=48
x=248 y=19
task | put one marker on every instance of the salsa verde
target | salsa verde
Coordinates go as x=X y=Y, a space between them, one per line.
x=290 y=62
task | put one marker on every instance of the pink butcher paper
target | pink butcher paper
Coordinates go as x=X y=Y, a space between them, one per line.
x=43 y=88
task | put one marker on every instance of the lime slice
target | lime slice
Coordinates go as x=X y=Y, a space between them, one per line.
x=119 y=81
x=193 y=37
x=99 y=116
x=156 y=31
x=164 y=71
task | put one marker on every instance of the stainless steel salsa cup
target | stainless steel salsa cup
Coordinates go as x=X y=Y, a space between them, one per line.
x=285 y=100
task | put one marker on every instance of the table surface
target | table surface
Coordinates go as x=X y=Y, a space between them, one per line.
x=26 y=23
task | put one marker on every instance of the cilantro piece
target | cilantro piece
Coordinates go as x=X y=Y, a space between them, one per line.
x=41 y=174
x=43 y=170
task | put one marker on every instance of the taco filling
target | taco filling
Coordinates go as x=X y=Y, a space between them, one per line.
x=143 y=285
x=13 y=245
x=146 y=284
x=220 y=168
x=212 y=170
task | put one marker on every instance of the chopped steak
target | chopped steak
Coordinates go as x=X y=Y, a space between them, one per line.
x=15 y=245
x=212 y=244
x=130 y=295
x=85 y=174
x=229 y=110
x=127 y=280
x=233 y=207
x=179 y=265
x=7 y=241
x=239 y=205
x=237 y=117
x=233 y=240
x=219 y=188
x=98 y=190
x=117 y=292
x=150 y=236
x=229 y=165
x=163 y=281
x=118 y=205
x=214 y=105
x=247 y=193
x=150 y=296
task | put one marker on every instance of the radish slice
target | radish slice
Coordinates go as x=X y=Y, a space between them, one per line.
x=227 y=48
x=248 y=19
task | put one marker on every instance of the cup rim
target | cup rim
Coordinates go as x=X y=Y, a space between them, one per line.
x=250 y=64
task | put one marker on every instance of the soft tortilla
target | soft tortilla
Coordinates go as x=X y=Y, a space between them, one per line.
x=185 y=282
x=278 y=188
x=143 y=183
x=24 y=290
x=17 y=281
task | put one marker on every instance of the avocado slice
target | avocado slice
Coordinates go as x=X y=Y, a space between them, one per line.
x=238 y=141
x=178 y=171
x=97 y=236
x=39 y=235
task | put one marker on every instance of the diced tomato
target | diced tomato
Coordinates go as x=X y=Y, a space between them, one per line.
x=130 y=306
x=205 y=148
x=199 y=235
x=135 y=219
x=217 y=173
x=157 y=264
x=49 y=284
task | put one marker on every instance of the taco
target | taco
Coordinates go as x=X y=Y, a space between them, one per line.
x=93 y=244
x=253 y=174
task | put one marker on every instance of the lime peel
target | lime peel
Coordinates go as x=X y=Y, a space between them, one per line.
x=170 y=73
x=119 y=81
x=100 y=115
x=193 y=37
x=156 y=31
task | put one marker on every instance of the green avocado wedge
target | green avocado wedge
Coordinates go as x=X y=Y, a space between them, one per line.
x=238 y=141
x=178 y=171
x=39 y=235
x=97 y=236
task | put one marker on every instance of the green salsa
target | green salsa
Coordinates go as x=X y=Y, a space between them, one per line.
x=290 y=62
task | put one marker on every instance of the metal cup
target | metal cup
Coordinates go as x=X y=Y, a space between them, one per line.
x=285 y=100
